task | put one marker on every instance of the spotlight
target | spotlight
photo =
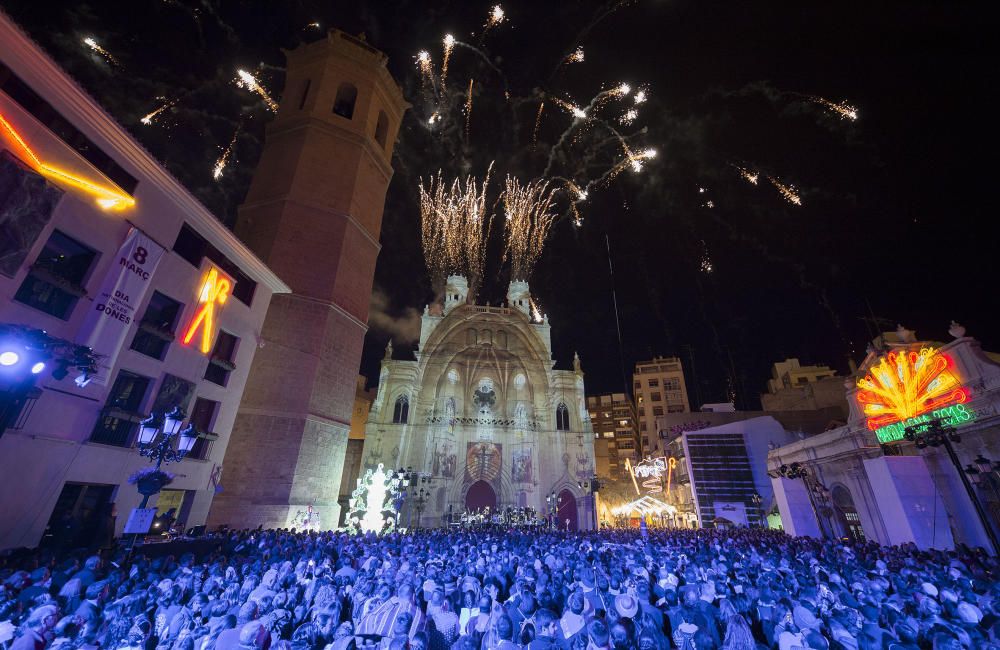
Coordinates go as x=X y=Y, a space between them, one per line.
x=83 y=379
x=37 y=368
x=9 y=358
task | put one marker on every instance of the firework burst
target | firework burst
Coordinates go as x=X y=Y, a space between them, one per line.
x=576 y=56
x=455 y=227
x=495 y=18
x=246 y=80
x=529 y=211
x=751 y=176
x=449 y=45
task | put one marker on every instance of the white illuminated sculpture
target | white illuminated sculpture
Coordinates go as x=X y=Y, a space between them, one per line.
x=373 y=503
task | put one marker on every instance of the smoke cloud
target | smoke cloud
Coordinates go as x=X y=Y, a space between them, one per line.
x=403 y=326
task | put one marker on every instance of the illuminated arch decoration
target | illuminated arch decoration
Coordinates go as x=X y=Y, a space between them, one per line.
x=108 y=197
x=213 y=291
x=907 y=384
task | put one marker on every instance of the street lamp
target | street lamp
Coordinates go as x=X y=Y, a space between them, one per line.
x=553 y=502
x=592 y=486
x=411 y=480
x=157 y=435
x=419 y=501
x=936 y=434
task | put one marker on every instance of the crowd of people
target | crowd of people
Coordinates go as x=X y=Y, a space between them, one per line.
x=471 y=590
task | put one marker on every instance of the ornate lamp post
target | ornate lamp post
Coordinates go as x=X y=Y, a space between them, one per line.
x=420 y=500
x=412 y=480
x=553 y=502
x=157 y=436
x=937 y=434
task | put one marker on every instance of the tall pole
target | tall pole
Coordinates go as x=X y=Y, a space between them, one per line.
x=972 y=495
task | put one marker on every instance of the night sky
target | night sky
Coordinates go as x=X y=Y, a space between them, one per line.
x=892 y=226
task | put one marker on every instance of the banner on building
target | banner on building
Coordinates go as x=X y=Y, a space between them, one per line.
x=114 y=309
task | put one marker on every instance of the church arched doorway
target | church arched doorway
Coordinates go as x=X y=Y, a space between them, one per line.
x=567 y=511
x=847 y=513
x=480 y=495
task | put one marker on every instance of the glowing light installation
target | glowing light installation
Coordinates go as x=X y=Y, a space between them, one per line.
x=108 y=198
x=214 y=291
x=372 y=505
x=905 y=384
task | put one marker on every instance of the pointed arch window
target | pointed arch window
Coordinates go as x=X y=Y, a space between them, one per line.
x=347 y=95
x=401 y=412
x=562 y=417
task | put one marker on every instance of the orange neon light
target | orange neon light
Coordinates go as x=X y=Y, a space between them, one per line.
x=671 y=464
x=107 y=198
x=905 y=384
x=214 y=291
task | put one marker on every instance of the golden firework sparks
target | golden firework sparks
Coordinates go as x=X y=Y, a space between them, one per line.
x=92 y=44
x=496 y=17
x=455 y=228
x=248 y=81
x=576 y=56
x=538 y=124
x=468 y=109
x=629 y=116
x=223 y=160
x=529 y=217
x=789 y=192
x=640 y=96
x=749 y=175
x=449 y=45
x=843 y=109
x=148 y=118
x=426 y=66
x=536 y=313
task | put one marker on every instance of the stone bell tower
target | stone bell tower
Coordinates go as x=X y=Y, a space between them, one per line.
x=313 y=214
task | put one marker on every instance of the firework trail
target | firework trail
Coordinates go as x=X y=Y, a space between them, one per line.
x=92 y=44
x=538 y=123
x=426 y=66
x=789 y=192
x=749 y=175
x=148 y=118
x=248 y=81
x=536 y=313
x=529 y=217
x=843 y=109
x=449 y=45
x=468 y=108
x=227 y=153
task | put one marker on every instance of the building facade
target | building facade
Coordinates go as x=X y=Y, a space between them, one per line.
x=866 y=479
x=483 y=416
x=314 y=214
x=616 y=436
x=100 y=246
x=659 y=389
x=363 y=398
x=794 y=387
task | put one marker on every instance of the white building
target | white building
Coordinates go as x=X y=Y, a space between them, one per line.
x=867 y=480
x=482 y=414
x=83 y=205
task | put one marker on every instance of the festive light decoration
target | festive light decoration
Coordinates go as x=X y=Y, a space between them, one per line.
x=213 y=292
x=906 y=384
x=671 y=464
x=645 y=505
x=953 y=415
x=373 y=502
x=107 y=197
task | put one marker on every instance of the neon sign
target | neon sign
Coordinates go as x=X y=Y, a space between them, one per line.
x=650 y=471
x=953 y=415
x=213 y=291
x=906 y=384
x=108 y=198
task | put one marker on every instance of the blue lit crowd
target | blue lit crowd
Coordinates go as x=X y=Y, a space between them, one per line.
x=503 y=590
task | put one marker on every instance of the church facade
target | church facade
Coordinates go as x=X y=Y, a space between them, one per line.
x=483 y=417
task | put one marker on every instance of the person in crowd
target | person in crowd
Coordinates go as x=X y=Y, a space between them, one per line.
x=493 y=589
